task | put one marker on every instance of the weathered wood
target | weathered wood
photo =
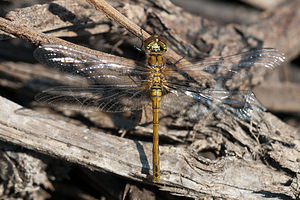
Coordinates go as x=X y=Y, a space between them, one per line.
x=220 y=11
x=24 y=172
x=65 y=18
x=280 y=97
x=183 y=172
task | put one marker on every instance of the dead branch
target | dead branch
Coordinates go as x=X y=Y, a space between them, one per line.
x=115 y=15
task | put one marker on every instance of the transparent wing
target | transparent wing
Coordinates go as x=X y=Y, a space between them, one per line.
x=103 y=71
x=228 y=72
x=106 y=98
x=112 y=86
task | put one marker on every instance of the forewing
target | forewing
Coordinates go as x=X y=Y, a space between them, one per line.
x=96 y=70
x=228 y=72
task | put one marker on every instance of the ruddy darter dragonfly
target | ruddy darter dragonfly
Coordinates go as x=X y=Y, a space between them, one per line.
x=116 y=86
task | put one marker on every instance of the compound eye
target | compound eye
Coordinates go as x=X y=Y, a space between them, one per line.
x=148 y=46
x=163 y=46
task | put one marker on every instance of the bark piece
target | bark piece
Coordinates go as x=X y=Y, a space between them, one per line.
x=182 y=170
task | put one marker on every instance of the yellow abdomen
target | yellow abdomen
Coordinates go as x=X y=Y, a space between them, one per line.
x=156 y=93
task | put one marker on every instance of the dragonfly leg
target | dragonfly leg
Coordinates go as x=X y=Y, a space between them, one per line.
x=140 y=38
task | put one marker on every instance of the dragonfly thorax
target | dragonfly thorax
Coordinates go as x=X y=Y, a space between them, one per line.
x=155 y=61
x=156 y=76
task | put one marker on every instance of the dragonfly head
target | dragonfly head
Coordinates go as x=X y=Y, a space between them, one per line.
x=155 y=44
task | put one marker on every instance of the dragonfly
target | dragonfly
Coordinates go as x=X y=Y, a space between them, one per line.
x=111 y=85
